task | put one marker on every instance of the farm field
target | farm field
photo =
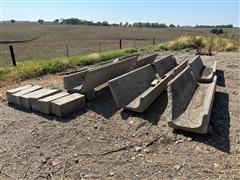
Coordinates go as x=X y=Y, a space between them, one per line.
x=34 y=41
x=102 y=141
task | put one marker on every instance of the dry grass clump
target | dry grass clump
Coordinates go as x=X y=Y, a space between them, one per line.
x=218 y=43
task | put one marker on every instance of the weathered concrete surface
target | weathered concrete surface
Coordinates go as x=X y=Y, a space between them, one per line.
x=12 y=91
x=190 y=103
x=67 y=104
x=73 y=80
x=44 y=104
x=180 y=68
x=30 y=100
x=201 y=72
x=88 y=80
x=15 y=98
x=145 y=60
x=135 y=91
x=164 y=65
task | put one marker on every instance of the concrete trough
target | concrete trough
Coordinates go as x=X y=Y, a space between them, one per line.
x=30 y=100
x=44 y=104
x=137 y=89
x=165 y=65
x=85 y=81
x=202 y=73
x=15 y=98
x=13 y=91
x=190 y=103
x=68 y=104
x=145 y=60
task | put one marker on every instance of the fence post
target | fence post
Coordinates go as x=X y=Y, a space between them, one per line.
x=67 y=50
x=99 y=46
x=154 y=41
x=134 y=43
x=120 y=43
x=12 y=55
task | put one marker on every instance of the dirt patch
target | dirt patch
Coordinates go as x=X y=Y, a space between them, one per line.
x=104 y=142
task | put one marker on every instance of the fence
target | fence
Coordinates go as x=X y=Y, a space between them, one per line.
x=46 y=50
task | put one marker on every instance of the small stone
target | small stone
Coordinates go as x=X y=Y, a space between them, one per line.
x=198 y=148
x=75 y=155
x=112 y=173
x=177 y=167
x=141 y=155
x=55 y=162
x=95 y=126
x=215 y=165
x=179 y=141
x=131 y=122
x=133 y=135
x=146 y=150
x=44 y=161
x=138 y=148
x=189 y=139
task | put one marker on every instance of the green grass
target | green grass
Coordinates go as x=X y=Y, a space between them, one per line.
x=37 y=68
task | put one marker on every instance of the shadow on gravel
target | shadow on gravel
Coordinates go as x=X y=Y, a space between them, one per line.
x=220 y=78
x=153 y=112
x=104 y=103
x=218 y=136
x=66 y=119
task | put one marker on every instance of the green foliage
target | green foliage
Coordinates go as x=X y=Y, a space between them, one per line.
x=216 y=31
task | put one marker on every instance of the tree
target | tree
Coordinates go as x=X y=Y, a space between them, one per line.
x=13 y=21
x=56 y=21
x=171 y=25
x=41 y=21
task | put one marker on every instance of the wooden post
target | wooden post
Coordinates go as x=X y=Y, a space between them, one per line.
x=154 y=41
x=134 y=43
x=67 y=50
x=120 y=43
x=99 y=46
x=12 y=55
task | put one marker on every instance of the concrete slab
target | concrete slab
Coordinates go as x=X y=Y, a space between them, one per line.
x=67 y=104
x=15 y=99
x=135 y=91
x=164 y=65
x=202 y=73
x=44 y=104
x=30 y=100
x=12 y=91
x=90 y=79
x=190 y=103
x=145 y=60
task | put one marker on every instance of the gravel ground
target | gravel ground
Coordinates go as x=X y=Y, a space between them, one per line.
x=102 y=141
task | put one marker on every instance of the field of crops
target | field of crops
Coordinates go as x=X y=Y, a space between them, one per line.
x=35 y=41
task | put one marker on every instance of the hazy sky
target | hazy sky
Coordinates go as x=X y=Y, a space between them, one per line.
x=185 y=12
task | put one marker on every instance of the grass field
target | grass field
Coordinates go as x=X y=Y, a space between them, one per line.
x=49 y=41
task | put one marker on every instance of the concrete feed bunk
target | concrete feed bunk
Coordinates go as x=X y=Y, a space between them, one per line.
x=87 y=80
x=201 y=72
x=145 y=60
x=190 y=103
x=135 y=91
x=169 y=65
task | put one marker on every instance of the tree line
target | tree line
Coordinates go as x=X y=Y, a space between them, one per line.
x=76 y=21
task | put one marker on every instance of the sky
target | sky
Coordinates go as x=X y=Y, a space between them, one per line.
x=178 y=12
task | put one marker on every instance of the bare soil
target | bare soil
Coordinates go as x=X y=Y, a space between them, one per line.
x=102 y=141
